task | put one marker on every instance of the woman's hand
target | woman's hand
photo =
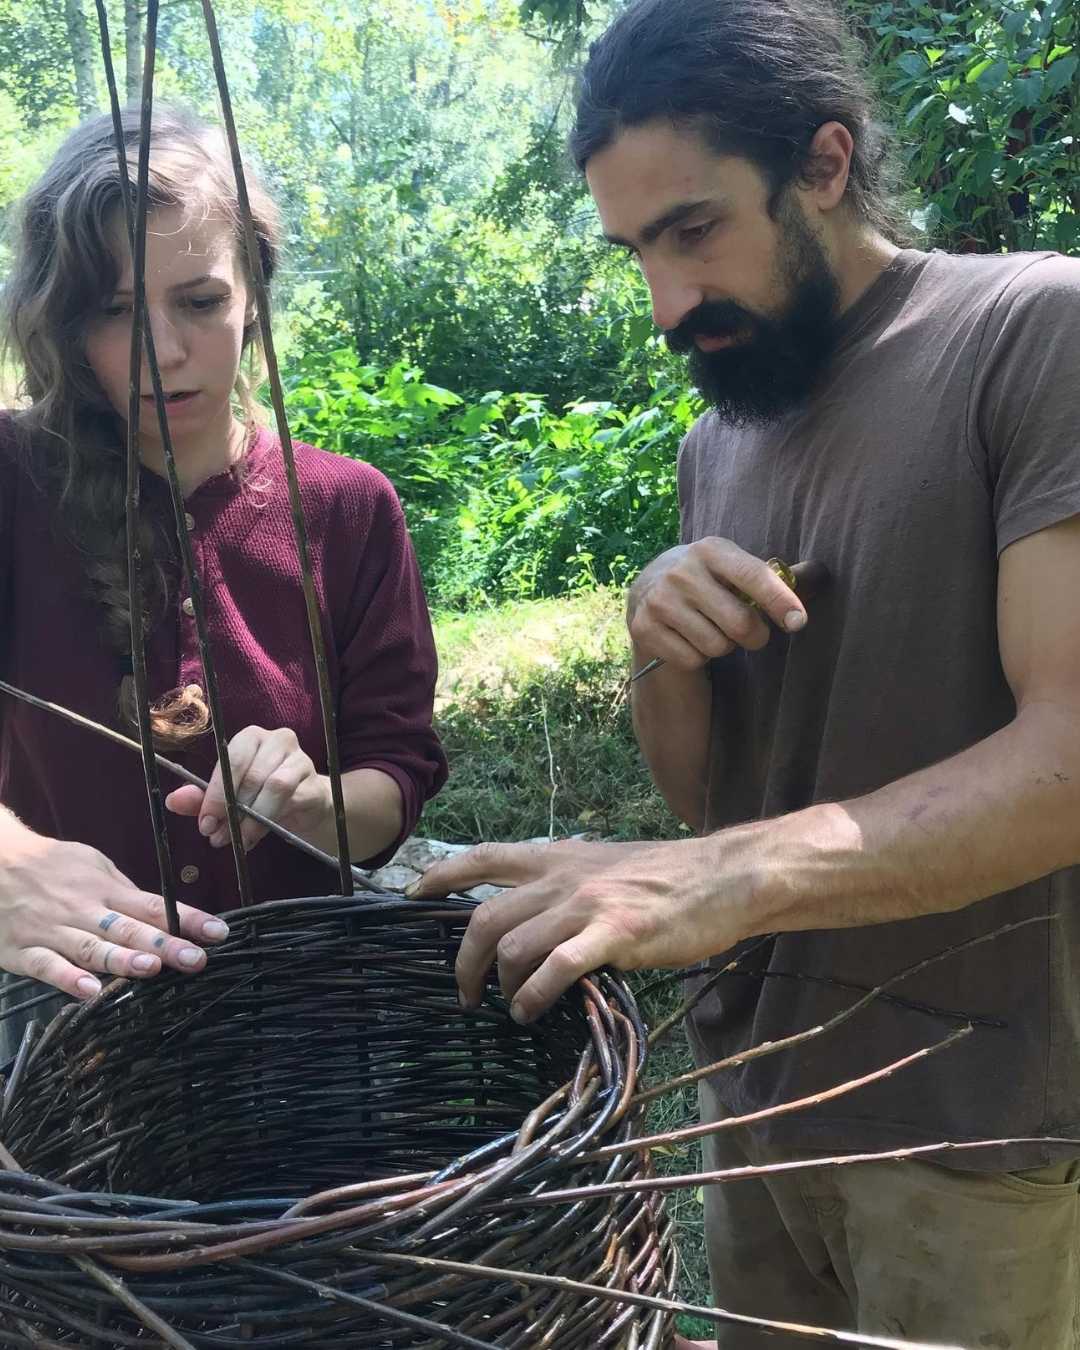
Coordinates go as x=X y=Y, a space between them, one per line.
x=272 y=775
x=67 y=915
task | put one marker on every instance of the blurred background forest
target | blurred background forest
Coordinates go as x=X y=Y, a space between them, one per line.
x=448 y=309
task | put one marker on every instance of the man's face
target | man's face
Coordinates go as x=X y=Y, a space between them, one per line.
x=750 y=298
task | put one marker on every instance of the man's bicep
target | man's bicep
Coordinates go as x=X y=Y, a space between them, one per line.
x=1039 y=616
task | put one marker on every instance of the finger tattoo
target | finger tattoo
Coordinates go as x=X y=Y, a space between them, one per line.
x=107 y=922
x=110 y=947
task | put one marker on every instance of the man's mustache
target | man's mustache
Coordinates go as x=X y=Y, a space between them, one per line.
x=714 y=318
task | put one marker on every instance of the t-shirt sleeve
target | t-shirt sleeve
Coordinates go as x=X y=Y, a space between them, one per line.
x=388 y=664
x=1024 y=421
x=687 y=475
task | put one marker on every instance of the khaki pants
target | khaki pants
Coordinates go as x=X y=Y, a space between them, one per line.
x=989 y=1261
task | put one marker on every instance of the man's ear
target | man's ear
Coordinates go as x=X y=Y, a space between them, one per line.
x=828 y=166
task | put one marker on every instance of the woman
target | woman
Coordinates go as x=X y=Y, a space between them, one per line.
x=78 y=877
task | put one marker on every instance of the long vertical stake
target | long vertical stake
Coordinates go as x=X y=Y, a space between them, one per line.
x=137 y=231
x=255 y=269
x=134 y=555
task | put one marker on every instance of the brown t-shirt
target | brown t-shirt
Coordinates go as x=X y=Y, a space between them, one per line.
x=948 y=429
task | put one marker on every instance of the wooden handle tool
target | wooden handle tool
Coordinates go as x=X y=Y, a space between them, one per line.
x=807 y=579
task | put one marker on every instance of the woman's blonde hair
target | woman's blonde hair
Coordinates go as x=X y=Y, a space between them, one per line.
x=64 y=269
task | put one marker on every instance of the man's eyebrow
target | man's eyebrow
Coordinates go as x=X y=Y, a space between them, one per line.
x=180 y=285
x=655 y=228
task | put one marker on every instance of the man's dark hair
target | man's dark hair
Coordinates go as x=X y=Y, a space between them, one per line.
x=757 y=78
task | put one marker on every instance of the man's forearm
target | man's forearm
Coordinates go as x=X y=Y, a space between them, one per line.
x=1002 y=813
x=671 y=721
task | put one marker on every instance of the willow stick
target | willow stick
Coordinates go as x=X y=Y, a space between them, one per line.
x=137 y=236
x=718 y=1315
x=443 y=1334
x=812 y=1033
x=262 y=301
x=781 y=1109
x=688 y=1180
x=116 y=1287
x=185 y=775
x=123 y=1294
x=176 y=492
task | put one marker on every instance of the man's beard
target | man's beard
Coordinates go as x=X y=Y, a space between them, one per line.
x=777 y=359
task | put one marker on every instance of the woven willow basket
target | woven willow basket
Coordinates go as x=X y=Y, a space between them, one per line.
x=259 y=1155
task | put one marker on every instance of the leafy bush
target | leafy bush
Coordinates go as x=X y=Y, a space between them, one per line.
x=986 y=99
x=505 y=498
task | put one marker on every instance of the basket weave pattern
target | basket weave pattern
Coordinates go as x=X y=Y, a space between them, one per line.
x=246 y=1150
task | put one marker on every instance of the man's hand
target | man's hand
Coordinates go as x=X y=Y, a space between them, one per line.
x=576 y=906
x=690 y=604
x=67 y=915
x=272 y=775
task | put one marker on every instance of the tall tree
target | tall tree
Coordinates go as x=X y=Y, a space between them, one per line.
x=133 y=44
x=83 y=57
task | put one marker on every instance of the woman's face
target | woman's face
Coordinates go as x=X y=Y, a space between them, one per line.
x=198 y=304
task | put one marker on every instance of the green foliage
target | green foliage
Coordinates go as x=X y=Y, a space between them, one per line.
x=505 y=497
x=987 y=98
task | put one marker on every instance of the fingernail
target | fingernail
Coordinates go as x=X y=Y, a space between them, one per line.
x=413 y=888
x=88 y=986
x=190 y=956
x=208 y=824
x=517 y=1012
x=794 y=620
x=144 y=962
x=215 y=929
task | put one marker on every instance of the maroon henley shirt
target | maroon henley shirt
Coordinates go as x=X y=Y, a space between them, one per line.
x=66 y=782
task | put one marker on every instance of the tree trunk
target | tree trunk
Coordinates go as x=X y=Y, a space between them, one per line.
x=82 y=57
x=133 y=50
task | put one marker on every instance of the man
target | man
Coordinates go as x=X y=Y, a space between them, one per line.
x=894 y=765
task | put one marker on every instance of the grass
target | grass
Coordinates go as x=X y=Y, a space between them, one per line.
x=532 y=708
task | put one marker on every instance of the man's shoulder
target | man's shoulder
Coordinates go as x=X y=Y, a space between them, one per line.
x=985 y=281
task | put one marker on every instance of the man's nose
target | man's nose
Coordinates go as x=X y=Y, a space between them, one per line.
x=673 y=298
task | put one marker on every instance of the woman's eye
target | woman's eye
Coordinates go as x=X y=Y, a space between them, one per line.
x=203 y=303
x=115 y=311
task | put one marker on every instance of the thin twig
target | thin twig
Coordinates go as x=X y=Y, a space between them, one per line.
x=717 y=1315
x=123 y=1294
x=118 y=738
x=551 y=771
x=383 y=1309
x=811 y=1033
x=693 y=1180
x=136 y=222
x=136 y=229
x=277 y=398
x=782 y=1109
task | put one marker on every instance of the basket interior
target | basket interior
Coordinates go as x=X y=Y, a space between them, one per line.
x=288 y=1068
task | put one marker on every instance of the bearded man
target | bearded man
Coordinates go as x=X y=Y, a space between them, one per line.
x=881 y=772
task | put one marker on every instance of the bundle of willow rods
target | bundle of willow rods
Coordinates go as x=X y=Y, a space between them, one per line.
x=255 y=1156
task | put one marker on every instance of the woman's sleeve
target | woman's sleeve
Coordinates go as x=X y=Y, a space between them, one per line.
x=388 y=664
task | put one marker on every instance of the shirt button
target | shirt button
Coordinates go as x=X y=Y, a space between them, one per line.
x=188 y=606
x=189 y=520
x=189 y=874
